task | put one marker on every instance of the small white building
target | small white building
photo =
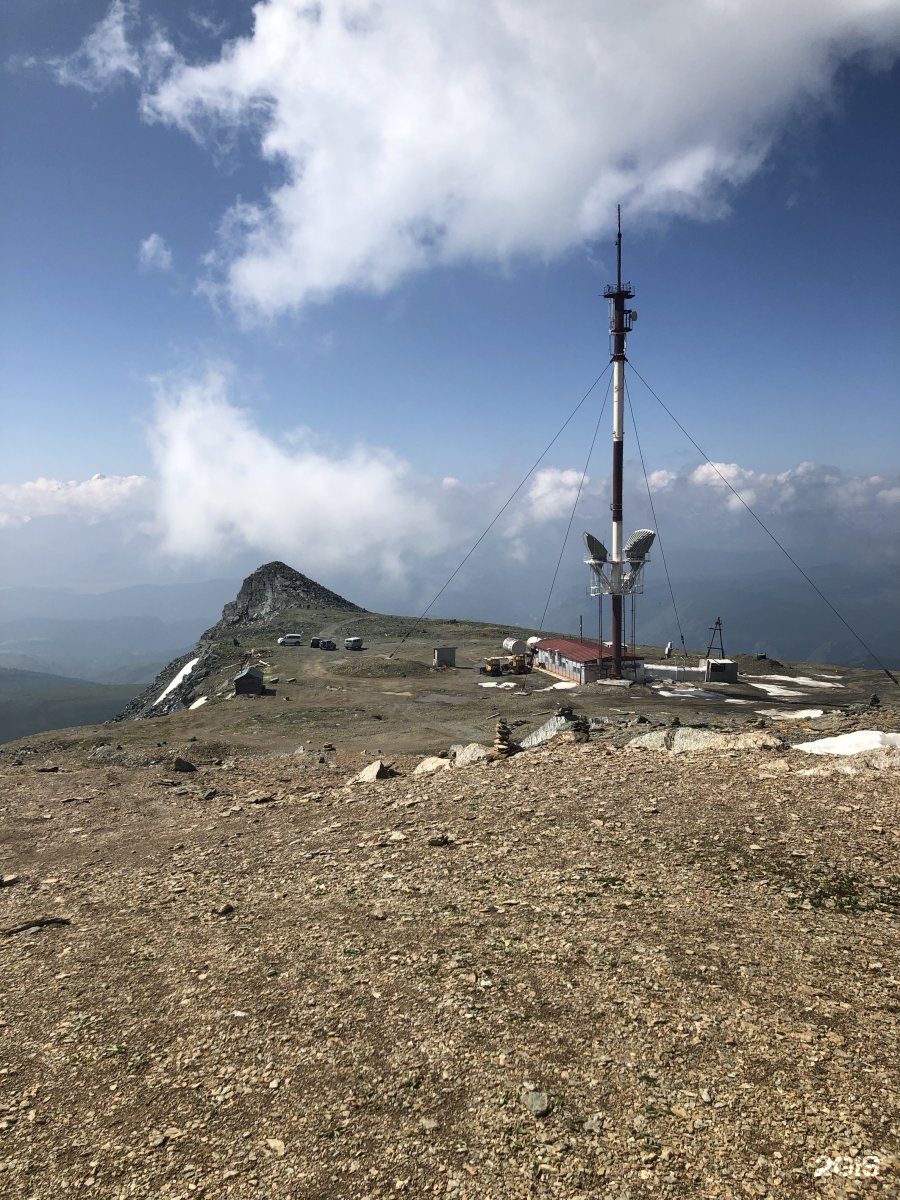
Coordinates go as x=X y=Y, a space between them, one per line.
x=444 y=656
x=720 y=670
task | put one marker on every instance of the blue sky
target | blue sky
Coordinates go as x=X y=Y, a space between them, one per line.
x=296 y=282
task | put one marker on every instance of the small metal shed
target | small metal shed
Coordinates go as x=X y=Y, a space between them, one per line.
x=249 y=682
x=444 y=656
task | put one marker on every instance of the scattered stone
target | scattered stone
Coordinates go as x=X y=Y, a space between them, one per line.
x=182 y=764
x=442 y=839
x=37 y=925
x=225 y=910
x=8 y=880
x=263 y=799
x=48 y=770
x=537 y=1103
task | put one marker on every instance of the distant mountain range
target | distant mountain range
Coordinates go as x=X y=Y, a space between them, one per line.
x=123 y=636
x=31 y=702
x=167 y=602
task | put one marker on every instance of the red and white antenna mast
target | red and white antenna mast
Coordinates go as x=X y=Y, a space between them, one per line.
x=619 y=326
x=618 y=572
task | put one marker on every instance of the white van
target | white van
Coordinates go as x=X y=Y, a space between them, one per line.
x=353 y=643
x=291 y=639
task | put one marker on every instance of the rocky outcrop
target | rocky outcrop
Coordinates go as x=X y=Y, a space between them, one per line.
x=685 y=740
x=271 y=589
x=173 y=688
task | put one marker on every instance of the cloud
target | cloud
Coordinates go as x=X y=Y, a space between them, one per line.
x=408 y=135
x=106 y=56
x=154 y=254
x=224 y=486
x=806 y=486
x=552 y=492
x=814 y=507
x=92 y=500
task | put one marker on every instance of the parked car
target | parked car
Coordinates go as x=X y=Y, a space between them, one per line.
x=313 y=643
x=353 y=643
x=327 y=644
x=291 y=639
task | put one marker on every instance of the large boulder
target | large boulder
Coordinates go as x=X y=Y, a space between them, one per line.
x=375 y=770
x=473 y=753
x=429 y=765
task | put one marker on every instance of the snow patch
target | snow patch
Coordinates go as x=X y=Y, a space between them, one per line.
x=689 y=693
x=788 y=714
x=803 y=680
x=197 y=703
x=775 y=689
x=182 y=675
x=859 y=742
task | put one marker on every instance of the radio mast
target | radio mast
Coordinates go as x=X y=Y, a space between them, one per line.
x=619 y=572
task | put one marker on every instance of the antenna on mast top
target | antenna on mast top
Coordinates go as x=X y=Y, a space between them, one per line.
x=619 y=247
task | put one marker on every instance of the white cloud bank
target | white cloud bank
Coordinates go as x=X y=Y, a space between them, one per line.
x=810 y=495
x=408 y=135
x=224 y=489
x=91 y=500
x=224 y=486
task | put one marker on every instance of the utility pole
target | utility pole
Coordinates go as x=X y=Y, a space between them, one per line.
x=619 y=326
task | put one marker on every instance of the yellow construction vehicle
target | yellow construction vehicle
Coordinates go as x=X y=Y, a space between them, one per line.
x=493 y=666
x=506 y=664
x=518 y=664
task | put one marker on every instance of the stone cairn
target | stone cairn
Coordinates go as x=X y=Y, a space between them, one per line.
x=501 y=739
x=578 y=728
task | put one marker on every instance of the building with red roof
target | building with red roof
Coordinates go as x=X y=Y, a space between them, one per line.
x=582 y=662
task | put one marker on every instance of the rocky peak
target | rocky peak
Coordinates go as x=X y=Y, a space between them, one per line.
x=276 y=586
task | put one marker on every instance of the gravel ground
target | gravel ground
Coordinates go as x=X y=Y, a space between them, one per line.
x=586 y=970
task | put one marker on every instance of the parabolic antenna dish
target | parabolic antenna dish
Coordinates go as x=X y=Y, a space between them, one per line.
x=638 y=545
x=595 y=549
